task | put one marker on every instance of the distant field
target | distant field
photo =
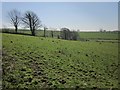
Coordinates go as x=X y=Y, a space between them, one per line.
x=99 y=35
x=83 y=35
x=38 y=62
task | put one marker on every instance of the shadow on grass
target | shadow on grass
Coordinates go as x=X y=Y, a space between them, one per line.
x=19 y=33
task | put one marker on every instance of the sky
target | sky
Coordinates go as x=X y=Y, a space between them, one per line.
x=88 y=16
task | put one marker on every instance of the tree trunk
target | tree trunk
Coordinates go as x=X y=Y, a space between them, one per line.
x=16 y=29
x=44 y=32
x=65 y=36
x=52 y=33
x=33 y=32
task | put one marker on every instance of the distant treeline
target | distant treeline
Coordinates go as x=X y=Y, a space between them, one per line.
x=30 y=20
x=64 y=33
x=82 y=36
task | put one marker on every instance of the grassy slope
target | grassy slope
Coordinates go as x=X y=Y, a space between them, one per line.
x=45 y=62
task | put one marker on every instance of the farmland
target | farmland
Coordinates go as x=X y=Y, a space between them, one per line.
x=38 y=62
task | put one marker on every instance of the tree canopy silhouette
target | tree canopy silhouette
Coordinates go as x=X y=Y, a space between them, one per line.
x=32 y=21
x=69 y=35
x=14 y=16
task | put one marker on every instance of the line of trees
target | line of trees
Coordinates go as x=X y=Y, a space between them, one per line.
x=29 y=19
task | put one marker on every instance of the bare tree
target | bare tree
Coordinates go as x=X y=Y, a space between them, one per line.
x=65 y=33
x=75 y=35
x=101 y=30
x=45 y=28
x=14 y=16
x=52 y=34
x=69 y=35
x=32 y=21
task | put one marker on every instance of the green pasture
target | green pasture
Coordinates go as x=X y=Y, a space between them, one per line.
x=38 y=62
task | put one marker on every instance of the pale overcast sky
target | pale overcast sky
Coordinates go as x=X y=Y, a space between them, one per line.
x=73 y=15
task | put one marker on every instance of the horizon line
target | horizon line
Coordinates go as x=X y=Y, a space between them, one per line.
x=59 y=29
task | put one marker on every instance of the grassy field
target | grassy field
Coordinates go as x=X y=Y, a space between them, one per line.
x=99 y=35
x=38 y=62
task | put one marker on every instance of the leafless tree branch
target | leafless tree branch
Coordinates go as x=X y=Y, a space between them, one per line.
x=14 y=16
x=31 y=20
